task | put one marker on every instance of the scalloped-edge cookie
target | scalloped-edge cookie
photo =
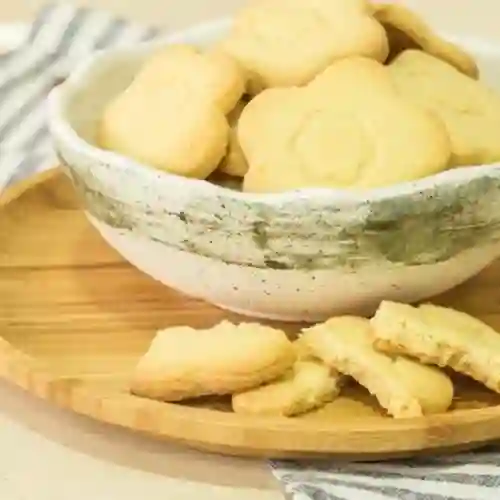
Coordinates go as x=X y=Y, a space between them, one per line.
x=309 y=385
x=183 y=363
x=172 y=115
x=349 y=128
x=407 y=30
x=403 y=387
x=468 y=108
x=288 y=42
x=440 y=336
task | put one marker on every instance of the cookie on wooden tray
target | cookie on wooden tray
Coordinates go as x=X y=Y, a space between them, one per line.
x=172 y=116
x=288 y=42
x=440 y=336
x=184 y=363
x=407 y=30
x=468 y=108
x=349 y=128
x=403 y=387
x=309 y=385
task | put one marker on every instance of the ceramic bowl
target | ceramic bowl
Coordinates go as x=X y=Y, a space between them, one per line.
x=298 y=256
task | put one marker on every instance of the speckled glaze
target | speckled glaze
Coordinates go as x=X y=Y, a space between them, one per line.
x=303 y=255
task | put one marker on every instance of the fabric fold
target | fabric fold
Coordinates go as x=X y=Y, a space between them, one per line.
x=60 y=37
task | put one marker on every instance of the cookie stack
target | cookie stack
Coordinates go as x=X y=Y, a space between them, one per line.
x=300 y=94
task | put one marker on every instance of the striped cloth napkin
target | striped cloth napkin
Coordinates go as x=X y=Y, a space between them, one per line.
x=59 y=37
x=466 y=476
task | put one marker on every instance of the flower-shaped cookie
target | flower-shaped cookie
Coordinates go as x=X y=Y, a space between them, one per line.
x=348 y=128
x=288 y=42
x=407 y=30
x=469 y=109
x=172 y=116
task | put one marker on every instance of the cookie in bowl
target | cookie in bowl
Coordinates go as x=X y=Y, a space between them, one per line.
x=235 y=162
x=469 y=109
x=407 y=30
x=349 y=128
x=288 y=42
x=178 y=81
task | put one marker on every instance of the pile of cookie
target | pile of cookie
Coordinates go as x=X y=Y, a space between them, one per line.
x=398 y=355
x=309 y=93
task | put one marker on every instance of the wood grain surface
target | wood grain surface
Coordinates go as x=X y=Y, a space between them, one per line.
x=74 y=319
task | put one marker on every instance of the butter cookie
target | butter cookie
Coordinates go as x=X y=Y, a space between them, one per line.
x=172 y=115
x=234 y=163
x=403 y=387
x=440 y=336
x=407 y=30
x=211 y=74
x=288 y=42
x=349 y=128
x=468 y=108
x=183 y=363
x=309 y=385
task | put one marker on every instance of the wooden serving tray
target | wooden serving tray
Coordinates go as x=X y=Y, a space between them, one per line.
x=74 y=319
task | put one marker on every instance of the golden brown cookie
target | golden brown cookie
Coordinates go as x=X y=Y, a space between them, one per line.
x=440 y=336
x=403 y=387
x=288 y=42
x=212 y=74
x=234 y=163
x=309 y=385
x=349 y=128
x=172 y=116
x=184 y=363
x=407 y=30
x=468 y=108
x=139 y=125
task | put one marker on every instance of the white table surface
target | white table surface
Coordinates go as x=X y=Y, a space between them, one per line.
x=50 y=454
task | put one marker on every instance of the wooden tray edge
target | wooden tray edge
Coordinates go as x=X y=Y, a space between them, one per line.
x=15 y=191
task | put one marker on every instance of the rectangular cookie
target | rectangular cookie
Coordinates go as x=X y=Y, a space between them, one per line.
x=405 y=388
x=440 y=336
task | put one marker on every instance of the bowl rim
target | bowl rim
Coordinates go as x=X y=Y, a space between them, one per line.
x=61 y=129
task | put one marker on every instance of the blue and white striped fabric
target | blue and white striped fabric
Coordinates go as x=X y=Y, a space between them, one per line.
x=466 y=476
x=59 y=37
